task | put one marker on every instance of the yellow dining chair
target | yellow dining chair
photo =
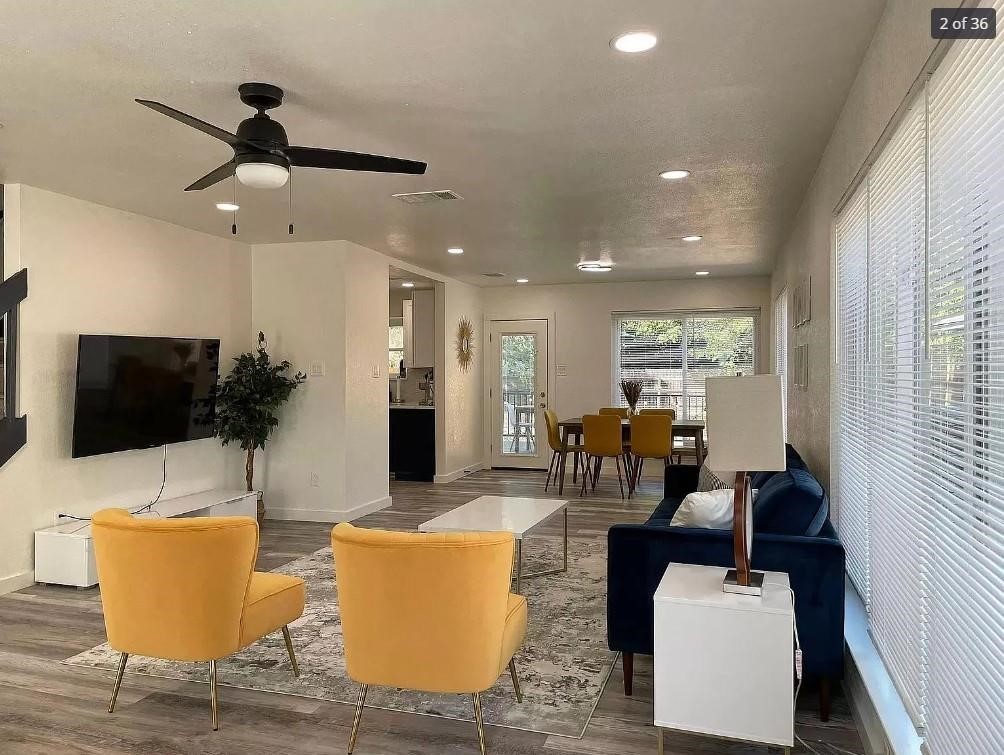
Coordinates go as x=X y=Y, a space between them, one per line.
x=651 y=438
x=620 y=411
x=427 y=611
x=602 y=438
x=679 y=450
x=186 y=590
x=671 y=413
x=554 y=441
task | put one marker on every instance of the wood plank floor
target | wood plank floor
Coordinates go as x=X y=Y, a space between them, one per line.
x=47 y=707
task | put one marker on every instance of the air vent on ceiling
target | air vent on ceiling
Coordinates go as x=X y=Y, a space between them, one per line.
x=424 y=197
x=494 y=275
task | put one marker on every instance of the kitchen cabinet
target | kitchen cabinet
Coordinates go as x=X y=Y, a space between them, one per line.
x=413 y=442
x=419 y=318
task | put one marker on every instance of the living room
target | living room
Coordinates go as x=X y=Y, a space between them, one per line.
x=696 y=289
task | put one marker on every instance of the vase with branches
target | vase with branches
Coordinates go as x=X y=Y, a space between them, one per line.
x=248 y=401
x=632 y=393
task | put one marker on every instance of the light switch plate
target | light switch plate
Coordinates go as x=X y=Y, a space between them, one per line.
x=375 y=372
x=562 y=370
x=317 y=369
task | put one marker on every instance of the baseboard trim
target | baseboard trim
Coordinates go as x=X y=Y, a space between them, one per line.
x=327 y=515
x=458 y=473
x=16 y=582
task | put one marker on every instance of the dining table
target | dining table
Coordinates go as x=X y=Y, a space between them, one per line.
x=681 y=428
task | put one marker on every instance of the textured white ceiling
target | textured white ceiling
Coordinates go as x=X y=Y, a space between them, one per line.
x=553 y=139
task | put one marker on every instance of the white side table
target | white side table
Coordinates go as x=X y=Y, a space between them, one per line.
x=724 y=662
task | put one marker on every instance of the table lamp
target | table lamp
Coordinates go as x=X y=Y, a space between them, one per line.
x=745 y=435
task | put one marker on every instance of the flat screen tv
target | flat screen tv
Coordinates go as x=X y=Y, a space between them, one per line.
x=142 y=392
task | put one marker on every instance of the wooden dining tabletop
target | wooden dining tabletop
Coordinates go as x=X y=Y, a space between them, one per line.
x=681 y=428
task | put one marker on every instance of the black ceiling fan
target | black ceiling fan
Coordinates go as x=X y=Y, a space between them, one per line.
x=262 y=154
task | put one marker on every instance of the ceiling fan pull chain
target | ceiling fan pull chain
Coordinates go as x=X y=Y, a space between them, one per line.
x=233 y=227
x=289 y=183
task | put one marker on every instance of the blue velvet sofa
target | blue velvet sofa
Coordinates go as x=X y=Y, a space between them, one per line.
x=791 y=533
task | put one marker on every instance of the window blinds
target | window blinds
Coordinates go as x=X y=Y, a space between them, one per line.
x=853 y=419
x=673 y=353
x=919 y=457
x=897 y=436
x=781 y=352
x=965 y=478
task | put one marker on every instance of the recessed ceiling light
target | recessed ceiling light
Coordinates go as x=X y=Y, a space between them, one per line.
x=634 y=41
x=674 y=175
x=455 y=250
x=228 y=206
x=692 y=238
x=408 y=284
x=522 y=280
x=702 y=272
x=595 y=267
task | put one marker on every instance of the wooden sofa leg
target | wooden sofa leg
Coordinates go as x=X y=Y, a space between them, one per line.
x=824 y=699
x=627 y=660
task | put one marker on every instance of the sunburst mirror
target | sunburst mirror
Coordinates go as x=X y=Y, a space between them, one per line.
x=465 y=343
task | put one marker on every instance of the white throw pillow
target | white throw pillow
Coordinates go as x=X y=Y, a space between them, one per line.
x=710 y=509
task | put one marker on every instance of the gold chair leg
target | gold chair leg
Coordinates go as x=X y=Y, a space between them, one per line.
x=480 y=722
x=289 y=649
x=515 y=680
x=213 y=694
x=118 y=681
x=357 y=717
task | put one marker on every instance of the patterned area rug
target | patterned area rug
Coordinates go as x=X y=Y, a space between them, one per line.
x=563 y=666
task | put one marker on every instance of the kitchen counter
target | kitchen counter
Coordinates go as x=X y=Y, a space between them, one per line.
x=410 y=406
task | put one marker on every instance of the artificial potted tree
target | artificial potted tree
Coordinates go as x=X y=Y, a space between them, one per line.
x=247 y=403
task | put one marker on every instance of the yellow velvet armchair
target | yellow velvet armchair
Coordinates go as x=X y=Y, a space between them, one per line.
x=427 y=611
x=186 y=590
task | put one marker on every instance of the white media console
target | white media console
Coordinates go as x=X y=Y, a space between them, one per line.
x=64 y=554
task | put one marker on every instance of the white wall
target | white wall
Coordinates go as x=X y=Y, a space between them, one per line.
x=93 y=269
x=583 y=317
x=460 y=393
x=896 y=56
x=326 y=302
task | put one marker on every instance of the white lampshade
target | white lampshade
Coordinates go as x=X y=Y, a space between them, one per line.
x=262 y=175
x=745 y=424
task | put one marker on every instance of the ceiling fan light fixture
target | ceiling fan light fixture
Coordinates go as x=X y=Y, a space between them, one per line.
x=262 y=175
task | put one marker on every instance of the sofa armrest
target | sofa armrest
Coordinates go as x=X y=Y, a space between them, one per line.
x=680 y=480
x=638 y=557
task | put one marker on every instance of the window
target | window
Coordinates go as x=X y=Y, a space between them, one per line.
x=919 y=455
x=673 y=353
x=395 y=351
x=781 y=352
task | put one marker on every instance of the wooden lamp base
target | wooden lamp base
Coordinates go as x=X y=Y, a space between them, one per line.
x=742 y=579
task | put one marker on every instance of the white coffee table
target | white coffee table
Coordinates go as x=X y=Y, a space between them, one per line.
x=493 y=513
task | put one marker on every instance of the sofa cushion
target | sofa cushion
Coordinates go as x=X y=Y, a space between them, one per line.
x=664 y=512
x=792 y=461
x=791 y=503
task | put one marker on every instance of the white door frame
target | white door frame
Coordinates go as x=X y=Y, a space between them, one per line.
x=542 y=327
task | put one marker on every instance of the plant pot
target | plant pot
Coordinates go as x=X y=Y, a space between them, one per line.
x=261 y=509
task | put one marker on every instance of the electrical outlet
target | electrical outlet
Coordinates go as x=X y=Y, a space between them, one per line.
x=315 y=480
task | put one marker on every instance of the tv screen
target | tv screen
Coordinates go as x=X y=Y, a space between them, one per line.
x=142 y=392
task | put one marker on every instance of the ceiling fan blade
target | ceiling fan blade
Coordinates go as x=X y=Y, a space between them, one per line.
x=213 y=177
x=190 y=120
x=336 y=159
